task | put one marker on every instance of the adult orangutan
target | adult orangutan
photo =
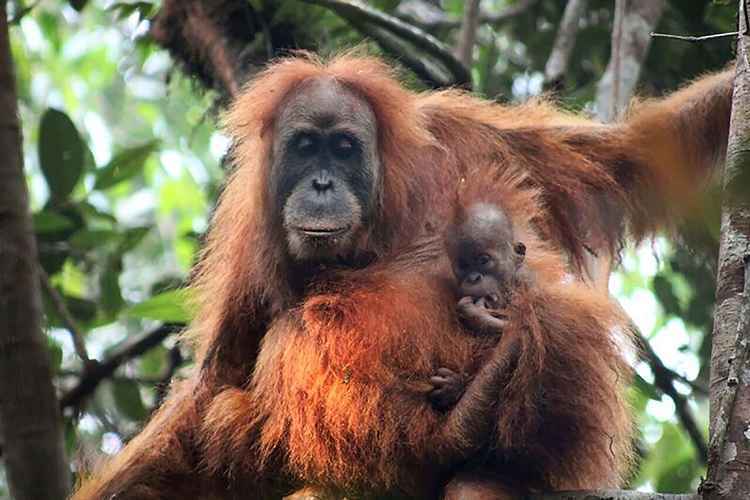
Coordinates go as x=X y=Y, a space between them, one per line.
x=322 y=262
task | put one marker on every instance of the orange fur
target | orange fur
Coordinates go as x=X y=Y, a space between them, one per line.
x=337 y=393
x=341 y=407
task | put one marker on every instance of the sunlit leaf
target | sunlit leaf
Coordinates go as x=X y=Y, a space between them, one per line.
x=61 y=153
x=126 y=164
x=170 y=307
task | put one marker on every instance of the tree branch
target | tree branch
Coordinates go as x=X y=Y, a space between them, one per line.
x=634 y=21
x=431 y=18
x=62 y=310
x=430 y=74
x=105 y=369
x=610 y=495
x=357 y=12
x=468 y=34
x=664 y=381
x=208 y=37
x=565 y=41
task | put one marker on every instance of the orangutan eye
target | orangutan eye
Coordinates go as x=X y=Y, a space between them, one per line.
x=306 y=144
x=343 y=146
x=484 y=259
x=520 y=248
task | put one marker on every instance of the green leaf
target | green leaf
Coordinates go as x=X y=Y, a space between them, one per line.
x=132 y=237
x=109 y=283
x=152 y=363
x=126 y=164
x=123 y=10
x=128 y=399
x=170 y=307
x=55 y=354
x=71 y=436
x=90 y=211
x=61 y=153
x=83 y=310
x=78 y=5
x=87 y=239
x=50 y=222
x=665 y=293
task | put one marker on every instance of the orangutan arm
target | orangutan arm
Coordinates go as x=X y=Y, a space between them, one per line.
x=158 y=463
x=467 y=426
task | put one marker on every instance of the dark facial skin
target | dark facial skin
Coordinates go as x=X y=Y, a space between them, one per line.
x=485 y=256
x=325 y=171
x=486 y=261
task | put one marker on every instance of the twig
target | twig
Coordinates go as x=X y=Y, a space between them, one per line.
x=354 y=10
x=695 y=39
x=704 y=38
x=664 y=381
x=67 y=318
x=101 y=371
x=438 y=21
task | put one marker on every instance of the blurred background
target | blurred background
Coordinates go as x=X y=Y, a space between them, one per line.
x=120 y=113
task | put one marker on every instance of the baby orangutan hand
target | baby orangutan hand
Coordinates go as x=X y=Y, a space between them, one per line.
x=448 y=388
x=479 y=315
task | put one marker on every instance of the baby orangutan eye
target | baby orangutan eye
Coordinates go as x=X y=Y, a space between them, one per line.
x=484 y=259
x=519 y=248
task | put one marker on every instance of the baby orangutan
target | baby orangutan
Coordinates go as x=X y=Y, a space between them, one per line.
x=487 y=263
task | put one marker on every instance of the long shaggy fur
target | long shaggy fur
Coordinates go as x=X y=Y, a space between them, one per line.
x=340 y=405
x=336 y=395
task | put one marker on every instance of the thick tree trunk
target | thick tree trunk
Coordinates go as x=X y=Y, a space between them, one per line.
x=729 y=453
x=631 y=38
x=30 y=422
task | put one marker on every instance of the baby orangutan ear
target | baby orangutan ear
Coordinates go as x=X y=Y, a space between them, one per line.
x=520 y=251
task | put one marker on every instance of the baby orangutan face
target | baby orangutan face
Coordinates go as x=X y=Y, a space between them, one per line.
x=484 y=254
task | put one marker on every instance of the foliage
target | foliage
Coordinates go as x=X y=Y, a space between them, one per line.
x=124 y=165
